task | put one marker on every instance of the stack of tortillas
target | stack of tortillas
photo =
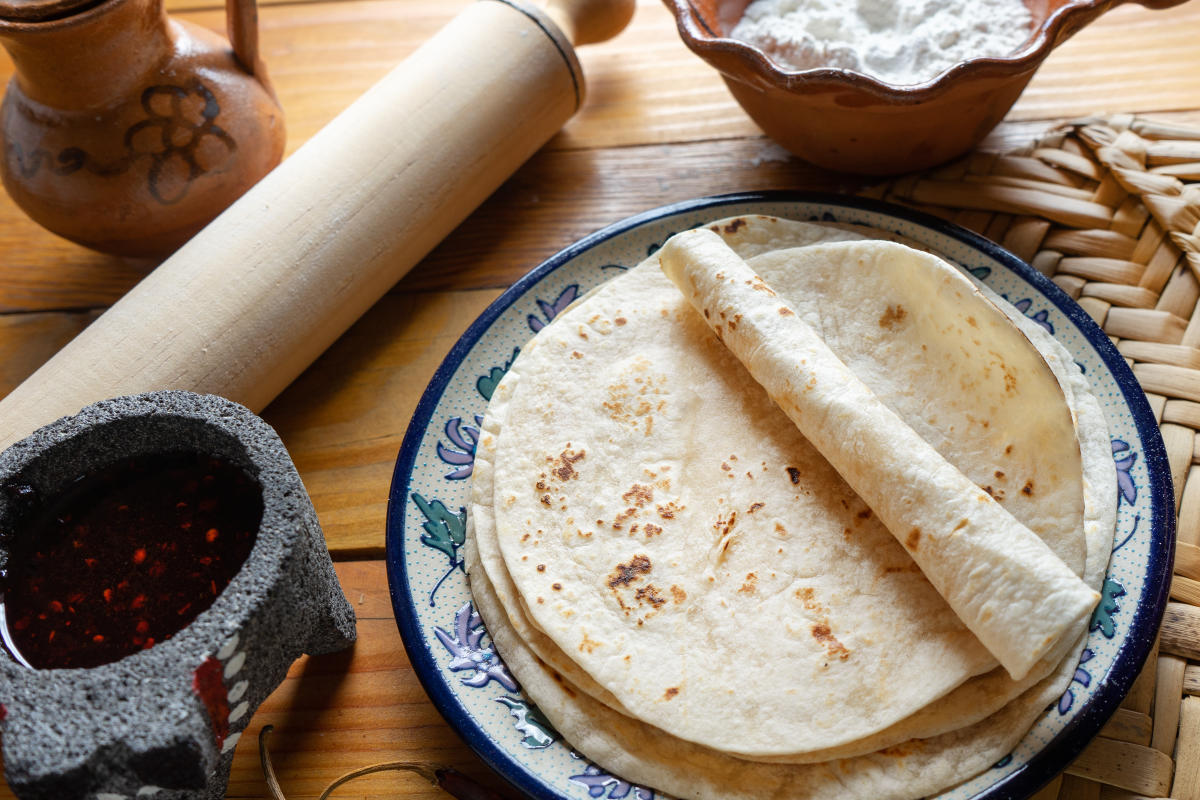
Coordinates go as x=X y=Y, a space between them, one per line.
x=825 y=520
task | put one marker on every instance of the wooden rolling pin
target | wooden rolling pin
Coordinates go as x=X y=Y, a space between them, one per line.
x=254 y=298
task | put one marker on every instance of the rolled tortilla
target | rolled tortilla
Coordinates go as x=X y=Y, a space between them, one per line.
x=1006 y=585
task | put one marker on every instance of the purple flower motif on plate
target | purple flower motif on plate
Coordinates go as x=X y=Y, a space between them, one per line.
x=1124 y=458
x=465 y=438
x=1082 y=677
x=552 y=310
x=1041 y=317
x=600 y=784
x=470 y=654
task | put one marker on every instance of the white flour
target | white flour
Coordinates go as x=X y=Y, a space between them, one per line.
x=898 y=41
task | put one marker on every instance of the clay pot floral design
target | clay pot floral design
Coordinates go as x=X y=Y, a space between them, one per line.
x=127 y=131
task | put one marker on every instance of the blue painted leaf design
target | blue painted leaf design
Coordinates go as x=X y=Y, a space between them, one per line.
x=470 y=654
x=465 y=438
x=530 y=721
x=981 y=272
x=486 y=385
x=1102 y=617
x=444 y=530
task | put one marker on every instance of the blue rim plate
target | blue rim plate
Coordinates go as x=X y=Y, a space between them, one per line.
x=426 y=521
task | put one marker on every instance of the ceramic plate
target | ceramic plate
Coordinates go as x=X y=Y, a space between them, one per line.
x=426 y=526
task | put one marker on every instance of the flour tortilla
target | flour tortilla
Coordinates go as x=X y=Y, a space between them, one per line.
x=1006 y=584
x=642 y=754
x=953 y=654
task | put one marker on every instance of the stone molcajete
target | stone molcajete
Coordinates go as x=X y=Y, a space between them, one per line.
x=135 y=657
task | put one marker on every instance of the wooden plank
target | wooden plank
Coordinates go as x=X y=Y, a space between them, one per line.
x=647 y=87
x=655 y=90
x=27 y=340
x=557 y=197
x=344 y=418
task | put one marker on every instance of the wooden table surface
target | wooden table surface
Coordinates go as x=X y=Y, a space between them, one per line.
x=658 y=127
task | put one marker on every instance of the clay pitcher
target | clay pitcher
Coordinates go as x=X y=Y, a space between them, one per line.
x=127 y=131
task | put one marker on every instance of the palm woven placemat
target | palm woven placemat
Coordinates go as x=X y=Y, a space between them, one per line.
x=1109 y=209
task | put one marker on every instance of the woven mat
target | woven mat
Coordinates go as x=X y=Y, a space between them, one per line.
x=1109 y=209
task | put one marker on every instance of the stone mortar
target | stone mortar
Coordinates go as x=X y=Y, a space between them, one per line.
x=136 y=728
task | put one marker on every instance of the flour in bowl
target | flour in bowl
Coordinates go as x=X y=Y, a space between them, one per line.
x=897 y=41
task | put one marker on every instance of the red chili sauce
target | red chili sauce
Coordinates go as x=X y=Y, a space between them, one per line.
x=125 y=557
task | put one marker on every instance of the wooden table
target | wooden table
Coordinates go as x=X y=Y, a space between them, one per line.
x=658 y=127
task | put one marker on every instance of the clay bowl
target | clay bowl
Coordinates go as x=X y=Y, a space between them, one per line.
x=854 y=123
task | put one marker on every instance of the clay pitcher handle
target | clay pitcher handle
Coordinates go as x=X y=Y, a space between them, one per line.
x=241 y=23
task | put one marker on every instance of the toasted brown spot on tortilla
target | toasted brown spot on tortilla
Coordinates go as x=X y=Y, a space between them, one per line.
x=562 y=684
x=678 y=594
x=913 y=538
x=749 y=586
x=669 y=510
x=557 y=587
x=962 y=523
x=1008 y=450
x=1027 y=489
x=999 y=475
x=565 y=469
x=649 y=594
x=620 y=320
x=625 y=574
x=793 y=475
x=892 y=316
x=733 y=225
x=864 y=514
x=822 y=633
x=670 y=693
x=652 y=529
x=545 y=499
x=784 y=311
x=541 y=567
x=639 y=495
x=587 y=644
x=576 y=354
x=755 y=506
